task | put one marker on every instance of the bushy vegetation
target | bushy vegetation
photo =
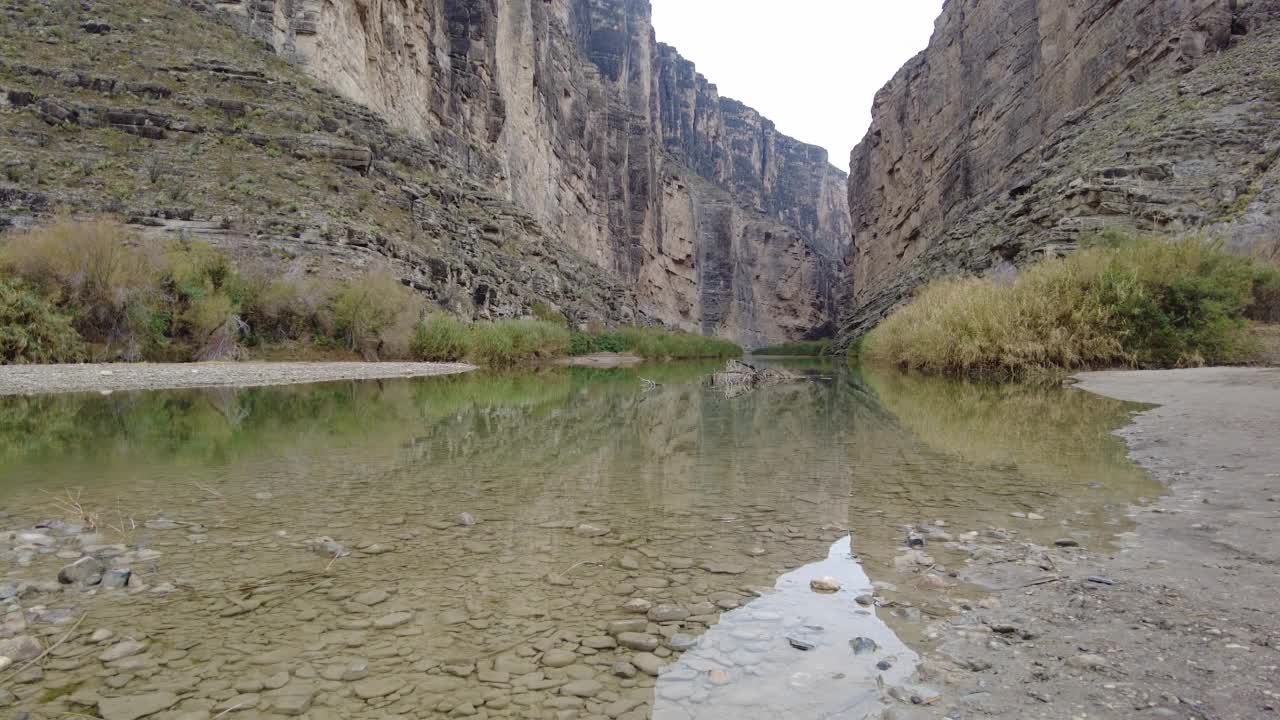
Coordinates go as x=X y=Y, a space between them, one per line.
x=95 y=290
x=1142 y=302
x=591 y=343
x=653 y=344
x=441 y=338
x=33 y=330
x=503 y=343
x=507 y=343
x=130 y=299
x=798 y=348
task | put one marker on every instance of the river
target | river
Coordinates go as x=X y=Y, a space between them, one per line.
x=559 y=543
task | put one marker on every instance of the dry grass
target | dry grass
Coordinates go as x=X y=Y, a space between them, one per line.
x=1122 y=301
x=1267 y=343
x=99 y=269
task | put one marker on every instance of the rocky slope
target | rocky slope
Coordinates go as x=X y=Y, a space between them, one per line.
x=1029 y=123
x=504 y=153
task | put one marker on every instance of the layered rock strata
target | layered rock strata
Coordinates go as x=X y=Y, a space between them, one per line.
x=610 y=140
x=1028 y=124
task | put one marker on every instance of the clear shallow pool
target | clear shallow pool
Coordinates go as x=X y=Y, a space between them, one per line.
x=718 y=511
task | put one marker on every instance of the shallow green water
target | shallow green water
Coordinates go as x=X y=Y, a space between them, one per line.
x=710 y=503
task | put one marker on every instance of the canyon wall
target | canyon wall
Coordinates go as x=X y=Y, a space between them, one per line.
x=611 y=141
x=1028 y=124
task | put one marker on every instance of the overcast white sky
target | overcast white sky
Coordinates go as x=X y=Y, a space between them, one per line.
x=811 y=66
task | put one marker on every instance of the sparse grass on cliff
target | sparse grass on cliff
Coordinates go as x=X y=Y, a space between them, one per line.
x=1140 y=302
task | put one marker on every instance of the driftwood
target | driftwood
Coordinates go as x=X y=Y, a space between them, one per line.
x=739 y=378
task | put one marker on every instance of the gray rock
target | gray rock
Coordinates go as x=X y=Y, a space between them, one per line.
x=824 y=585
x=647 y=663
x=86 y=571
x=465 y=519
x=121 y=650
x=637 y=605
x=582 y=688
x=637 y=625
x=293 y=703
x=725 y=567
x=638 y=641
x=681 y=642
x=863 y=645
x=668 y=613
x=377 y=687
x=558 y=658
x=394 y=620
x=118 y=578
x=21 y=648
x=328 y=547
x=865 y=600
x=515 y=666
x=371 y=597
x=132 y=707
x=589 y=531
x=1087 y=661
x=802 y=645
x=623 y=669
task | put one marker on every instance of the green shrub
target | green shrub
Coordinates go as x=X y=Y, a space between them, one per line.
x=1266 y=294
x=101 y=272
x=33 y=330
x=441 y=338
x=280 y=310
x=658 y=344
x=507 y=343
x=586 y=343
x=798 y=348
x=1139 y=302
x=375 y=315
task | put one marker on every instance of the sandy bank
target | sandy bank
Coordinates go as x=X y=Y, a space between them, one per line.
x=32 y=379
x=1176 y=620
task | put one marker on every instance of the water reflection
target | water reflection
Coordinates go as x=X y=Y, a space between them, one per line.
x=701 y=501
x=748 y=666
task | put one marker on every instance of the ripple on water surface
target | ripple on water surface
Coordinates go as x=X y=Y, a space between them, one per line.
x=515 y=545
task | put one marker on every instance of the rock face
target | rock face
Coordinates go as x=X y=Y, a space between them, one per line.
x=1029 y=122
x=611 y=141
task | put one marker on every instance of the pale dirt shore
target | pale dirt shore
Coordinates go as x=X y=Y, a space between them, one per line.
x=39 y=379
x=1187 y=622
x=601 y=360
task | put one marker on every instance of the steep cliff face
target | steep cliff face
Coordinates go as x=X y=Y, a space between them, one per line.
x=1029 y=122
x=611 y=141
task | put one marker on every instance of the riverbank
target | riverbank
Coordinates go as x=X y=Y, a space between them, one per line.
x=1176 y=621
x=32 y=379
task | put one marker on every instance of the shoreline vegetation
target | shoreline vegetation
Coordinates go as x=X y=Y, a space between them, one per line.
x=797 y=348
x=1119 y=301
x=92 y=291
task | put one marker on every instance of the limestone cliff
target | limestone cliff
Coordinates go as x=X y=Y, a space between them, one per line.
x=611 y=141
x=1027 y=123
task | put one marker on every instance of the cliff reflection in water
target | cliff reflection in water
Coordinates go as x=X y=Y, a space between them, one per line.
x=696 y=502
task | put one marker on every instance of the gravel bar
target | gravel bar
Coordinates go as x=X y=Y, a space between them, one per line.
x=41 y=379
